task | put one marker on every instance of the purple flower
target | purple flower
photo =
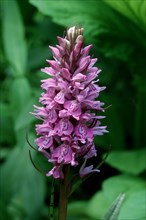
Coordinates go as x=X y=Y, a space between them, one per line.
x=86 y=170
x=70 y=112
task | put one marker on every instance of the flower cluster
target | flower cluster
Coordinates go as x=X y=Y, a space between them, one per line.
x=69 y=111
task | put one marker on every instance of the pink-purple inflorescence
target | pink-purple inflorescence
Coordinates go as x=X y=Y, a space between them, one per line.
x=69 y=114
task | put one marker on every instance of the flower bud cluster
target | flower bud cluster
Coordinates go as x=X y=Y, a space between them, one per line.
x=70 y=111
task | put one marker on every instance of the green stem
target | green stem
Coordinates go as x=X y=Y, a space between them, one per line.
x=63 y=199
x=51 y=208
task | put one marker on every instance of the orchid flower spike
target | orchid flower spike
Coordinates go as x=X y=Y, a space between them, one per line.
x=68 y=105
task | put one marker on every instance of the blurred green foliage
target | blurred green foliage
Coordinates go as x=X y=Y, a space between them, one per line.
x=117 y=30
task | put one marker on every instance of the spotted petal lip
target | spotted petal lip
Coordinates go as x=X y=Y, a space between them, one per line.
x=64 y=127
x=59 y=98
x=69 y=102
x=73 y=108
x=44 y=142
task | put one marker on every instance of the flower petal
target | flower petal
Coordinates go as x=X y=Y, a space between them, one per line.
x=44 y=142
x=64 y=127
x=84 y=171
x=59 y=98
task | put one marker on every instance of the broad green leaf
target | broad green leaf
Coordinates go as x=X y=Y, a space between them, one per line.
x=127 y=184
x=111 y=189
x=22 y=184
x=114 y=209
x=13 y=36
x=15 y=208
x=135 y=10
x=134 y=207
x=25 y=118
x=20 y=94
x=69 y=13
x=109 y=30
x=97 y=206
x=128 y=161
x=7 y=131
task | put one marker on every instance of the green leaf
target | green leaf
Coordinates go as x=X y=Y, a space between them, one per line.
x=65 y=9
x=69 y=13
x=21 y=184
x=25 y=118
x=128 y=161
x=111 y=189
x=7 y=131
x=13 y=36
x=135 y=10
x=127 y=184
x=109 y=30
x=114 y=210
x=97 y=206
x=135 y=207
x=20 y=94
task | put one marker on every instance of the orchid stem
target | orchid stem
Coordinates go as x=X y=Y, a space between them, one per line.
x=63 y=200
